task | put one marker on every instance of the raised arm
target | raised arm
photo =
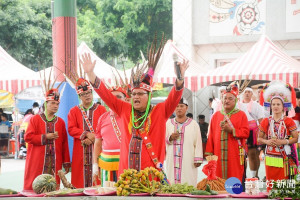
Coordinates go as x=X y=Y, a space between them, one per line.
x=110 y=100
x=88 y=66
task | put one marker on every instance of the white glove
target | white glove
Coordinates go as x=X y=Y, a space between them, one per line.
x=95 y=168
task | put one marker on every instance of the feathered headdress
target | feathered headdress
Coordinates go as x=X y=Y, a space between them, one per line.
x=244 y=85
x=233 y=88
x=140 y=79
x=78 y=80
x=280 y=90
x=121 y=85
x=51 y=94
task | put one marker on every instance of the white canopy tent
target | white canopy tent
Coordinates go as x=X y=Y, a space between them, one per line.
x=264 y=61
x=14 y=76
x=102 y=69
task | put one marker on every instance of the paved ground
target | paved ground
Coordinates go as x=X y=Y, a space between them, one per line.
x=12 y=173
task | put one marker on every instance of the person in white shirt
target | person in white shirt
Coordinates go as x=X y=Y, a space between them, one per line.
x=184 y=153
x=255 y=113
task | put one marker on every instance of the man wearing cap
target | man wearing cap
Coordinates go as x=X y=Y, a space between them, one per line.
x=47 y=142
x=82 y=123
x=107 y=145
x=184 y=147
x=255 y=115
x=227 y=136
x=143 y=142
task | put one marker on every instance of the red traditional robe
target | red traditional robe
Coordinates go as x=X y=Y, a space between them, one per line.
x=82 y=174
x=157 y=120
x=229 y=160
x=45 y=156
x=297 y=117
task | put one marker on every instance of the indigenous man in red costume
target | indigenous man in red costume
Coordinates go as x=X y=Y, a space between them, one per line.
x=143 y=142
x=82 y=123
x=47 y=142
x=227 y=136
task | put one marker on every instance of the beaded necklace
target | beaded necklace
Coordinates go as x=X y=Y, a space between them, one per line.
x=144 y=117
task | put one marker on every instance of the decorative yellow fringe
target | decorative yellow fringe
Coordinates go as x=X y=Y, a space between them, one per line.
x=242 y=155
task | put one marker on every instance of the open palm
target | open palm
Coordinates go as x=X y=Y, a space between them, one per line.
x=86 y=62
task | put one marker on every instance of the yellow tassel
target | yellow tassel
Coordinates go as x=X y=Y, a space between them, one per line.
x=286 y=168
x=242 y=154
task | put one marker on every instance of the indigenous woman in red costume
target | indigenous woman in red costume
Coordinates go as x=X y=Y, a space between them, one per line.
x=278 y=132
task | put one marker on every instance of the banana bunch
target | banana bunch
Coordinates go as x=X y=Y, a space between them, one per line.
x=145 y=181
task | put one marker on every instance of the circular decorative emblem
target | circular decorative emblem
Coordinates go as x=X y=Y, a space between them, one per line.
x=247 y=17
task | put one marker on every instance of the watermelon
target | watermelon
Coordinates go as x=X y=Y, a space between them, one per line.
x=44 y=183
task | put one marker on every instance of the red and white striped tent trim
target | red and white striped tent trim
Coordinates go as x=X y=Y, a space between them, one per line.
x=264 y=61
x=17 y=85
x=164 y=72
x=14 y=76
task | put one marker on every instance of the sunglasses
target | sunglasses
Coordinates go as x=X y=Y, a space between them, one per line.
x=84 y=88
x=85 y=93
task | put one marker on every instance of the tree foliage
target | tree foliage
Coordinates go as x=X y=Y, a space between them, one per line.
x=124 y=27
x=112 y=28
x=25 y=31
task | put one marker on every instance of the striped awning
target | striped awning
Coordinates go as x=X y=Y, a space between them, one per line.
x=16 y=86
x=14 y=76
x=264 y=61
x=164 y=72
